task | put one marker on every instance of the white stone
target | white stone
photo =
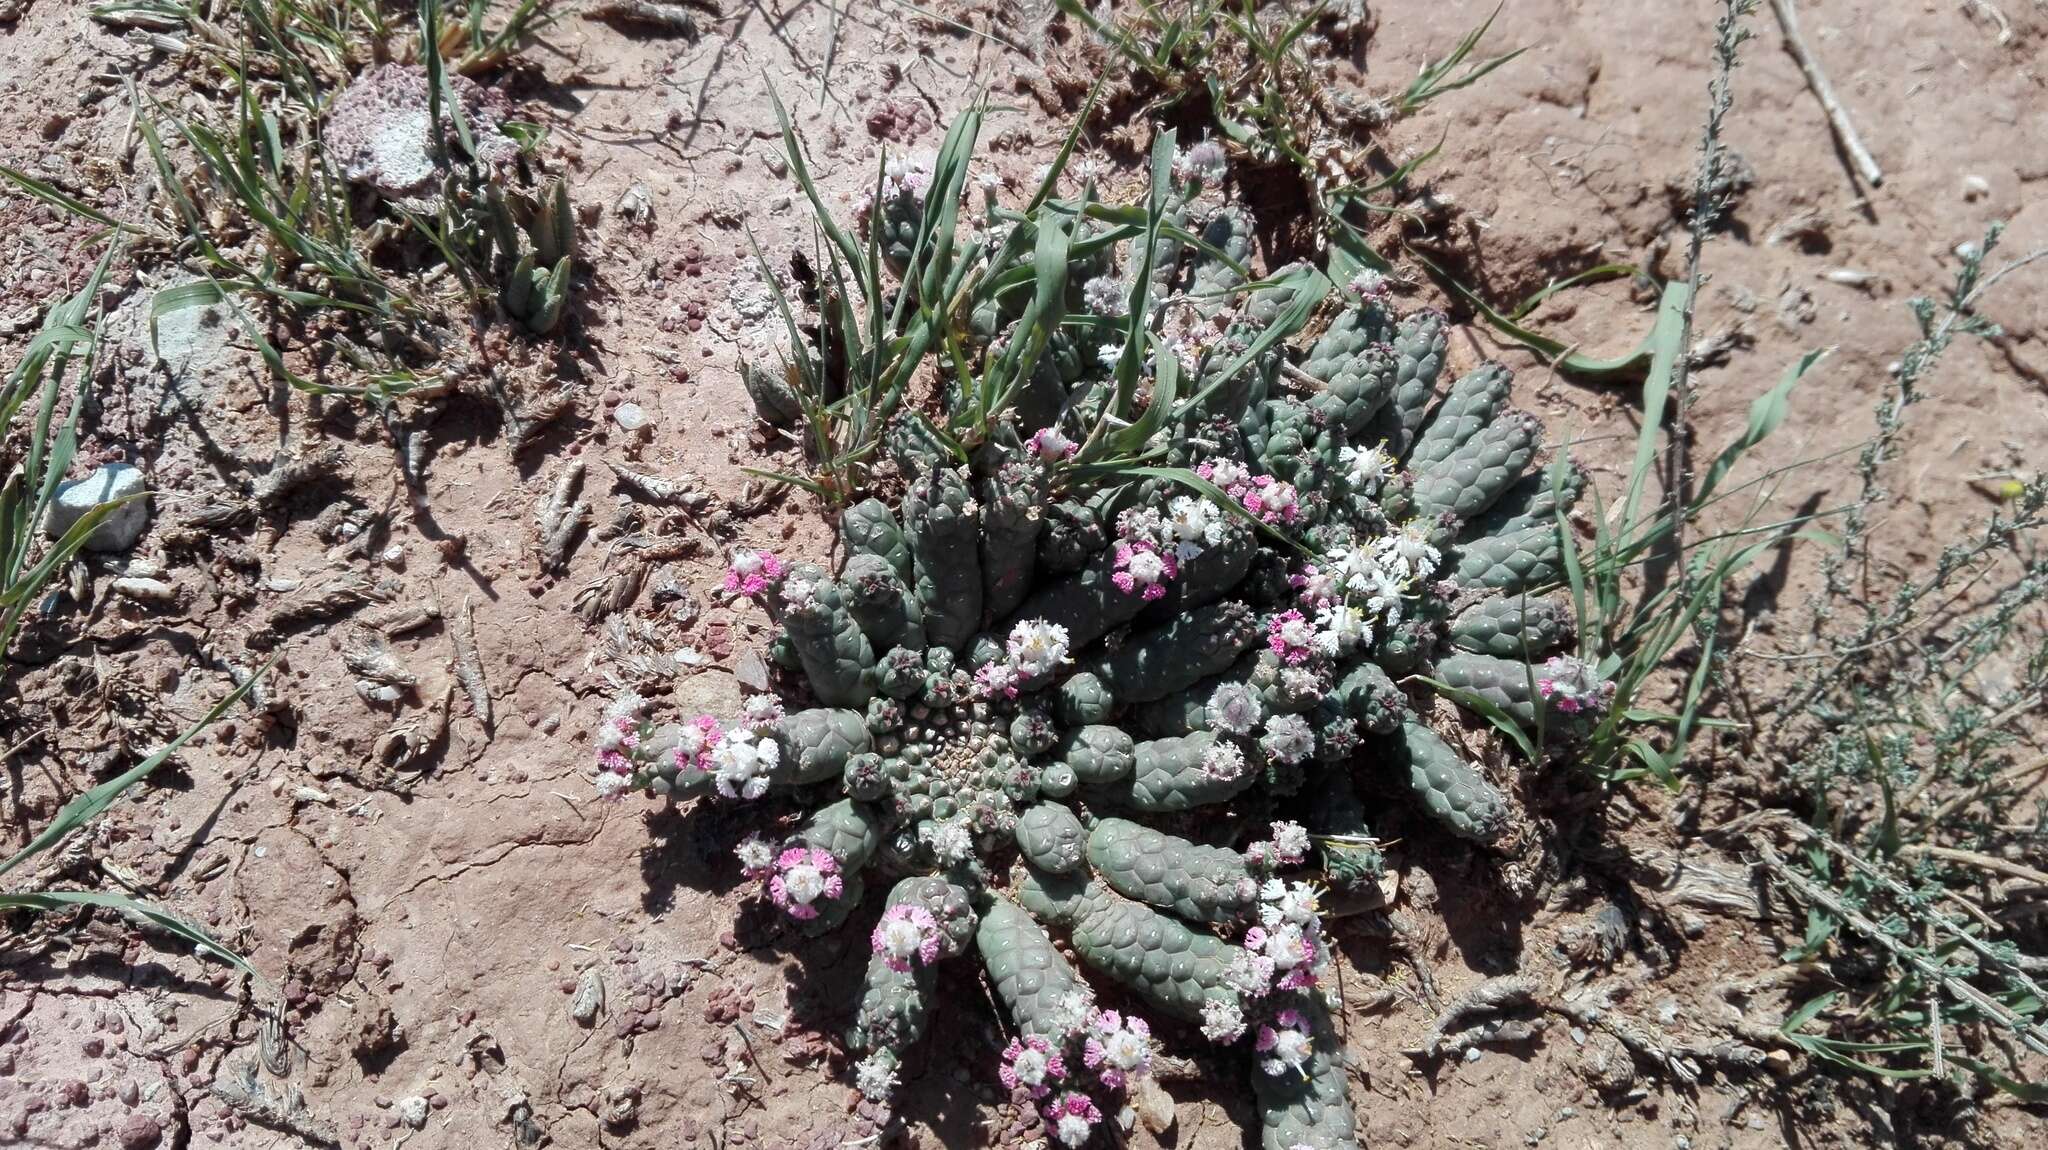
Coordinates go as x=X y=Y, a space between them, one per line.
x=118 y=531
x=412 y=1111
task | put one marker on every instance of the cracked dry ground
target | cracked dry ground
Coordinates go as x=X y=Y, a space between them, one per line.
x=475 y=935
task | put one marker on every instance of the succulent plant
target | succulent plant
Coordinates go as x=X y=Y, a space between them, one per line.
x=535 y=272
x=1056 y=696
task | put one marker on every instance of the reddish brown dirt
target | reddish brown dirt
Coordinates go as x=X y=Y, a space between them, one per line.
x=427 y=936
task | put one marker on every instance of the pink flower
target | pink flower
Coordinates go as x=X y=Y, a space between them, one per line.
x=1228 y=474
x=1318 y=588
x=1572 y=686
x=1047 y=445
x=997 y=679
x=905 y=932
x=1270 y=499
x=1033 y=1065
x=803 y=876
x=1291 y=636
x=1287 y=1046
x=1142 y=569
x=752 y=571
x=1072 y=1118
x=1118 y=1048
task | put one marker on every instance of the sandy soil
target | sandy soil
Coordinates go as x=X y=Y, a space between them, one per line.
x=430 y=928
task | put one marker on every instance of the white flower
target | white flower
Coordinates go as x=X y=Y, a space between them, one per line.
x=691 y=740
x=1193 y=524
x=1222 y=1020
x=1291 y=1050
x=1146 y=567
x=741 y=763
x=1288 y=738
x=1407 y=552
x=1126 y=1049
x=1353 y=568
x=1297 y=632
x=1205 y=163
x=797 y=592
x=1282 y=903
x=1300 y=683
x=1037 y=647
x=1070 y=1013
x=1368 y=284
x=1290 y=841
x=1249 y=974
x=1383 y=594
x=609 y=783
x=1109 y=355
x=626 y=706
x=1367 y=467
x=1072 y=1129
x=875 y=1076
x=755 y=855
x=1223 y=761
x=762 y=710
x=803 y=883
x=1286 y=946
x=1031 y=1066
x=1104 y=295
x=1341 y=629
x=900 y=938
x=951 y=840
x=1228 y=473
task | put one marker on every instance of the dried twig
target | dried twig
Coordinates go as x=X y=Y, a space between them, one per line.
x=668 y=18
x=681 y=491
x=337 y=594
x=469 y=667
x=561 y=517
x=413 y=738
x=367 y=655
x=1451 y=1035
x=1838 y=117
x=405 y=617
x=524 y=422
x=287 y=475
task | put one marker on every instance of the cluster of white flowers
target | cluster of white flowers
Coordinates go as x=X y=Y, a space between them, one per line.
x=1289 y=846
x=1224 y=761
x=1288 y=739
x=1037 y=647
x=756 y=855
x=875 y=1076
x=1290 y=843
x=1354 y=590
x=1192 y=524
x=1222 y=1020
x=1204 y=163
x=1367 y=467
x=950 y=839
x=1105 y=296
x=1235 y=709
x=742 y=762
x=761 y=710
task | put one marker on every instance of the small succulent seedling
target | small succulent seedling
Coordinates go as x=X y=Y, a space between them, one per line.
x=535 y=235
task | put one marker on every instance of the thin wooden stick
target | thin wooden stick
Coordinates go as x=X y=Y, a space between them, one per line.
x=1838 y=117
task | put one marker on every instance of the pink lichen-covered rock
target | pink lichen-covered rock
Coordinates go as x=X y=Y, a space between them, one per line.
x=380 y=130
